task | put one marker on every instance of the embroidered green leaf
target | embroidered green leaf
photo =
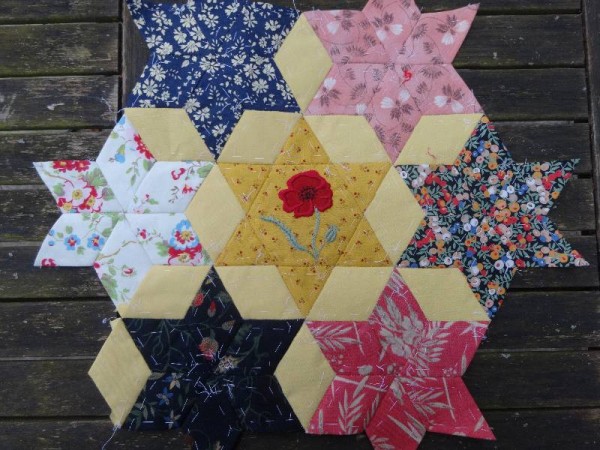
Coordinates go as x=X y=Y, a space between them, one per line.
x=68 y=229
x=80 y=250
x=287 y=233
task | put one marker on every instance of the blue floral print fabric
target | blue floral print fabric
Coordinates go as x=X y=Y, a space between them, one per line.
x=214 y=59
x=488 y=215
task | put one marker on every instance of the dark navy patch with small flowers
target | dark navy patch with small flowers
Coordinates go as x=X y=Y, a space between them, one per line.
x=487 y=215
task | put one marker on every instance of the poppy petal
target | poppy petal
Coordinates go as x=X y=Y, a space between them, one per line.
x=306 y=209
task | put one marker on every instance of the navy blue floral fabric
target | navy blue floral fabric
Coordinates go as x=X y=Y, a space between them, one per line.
x=214 y=59
x=212 y=372
x=488 y=215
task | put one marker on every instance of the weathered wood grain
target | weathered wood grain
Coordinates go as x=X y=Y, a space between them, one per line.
x=54 y=329
x=546 y=320
x=592 y=26
x=59 y=49
x=536 y=94
x=525 y=430
x=19 y=150
x=30 y=213
x=563 y=278
x=58 y=102
x=20 y=280
x=528 y=320
x=486 y=6
x=497 y=381
x=44 y=11
x=527 y=141
x=546 y=141
x=523 y=41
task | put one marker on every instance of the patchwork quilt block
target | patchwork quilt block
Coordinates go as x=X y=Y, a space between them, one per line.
x=305 y=221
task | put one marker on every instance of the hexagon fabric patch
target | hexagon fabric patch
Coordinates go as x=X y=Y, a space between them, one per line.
x=304 y=221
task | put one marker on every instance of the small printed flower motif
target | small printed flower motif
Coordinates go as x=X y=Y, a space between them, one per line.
x=48 y=262
x=173 y=380
x=451 y=97
x=143 y=233
x=72 y=241
x=398 y=107
x=81 y=165
x=226 y=364
x=385 y=26
x=177 y=174
x=63 y=165
x=95 y=242
x=183 y=237
x=127 y=271
x=208 y=347
x=306 y=192
x=198 y=300
x=164 y=397
x=450 y=28
x=141 y=147
x=212 y=309
x=77 y=192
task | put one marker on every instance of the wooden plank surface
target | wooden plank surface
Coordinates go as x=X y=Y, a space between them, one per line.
x=20 y=149
x=58 y=102
x=592 y=32
x=523 y=430
x=44 y=11
x=60 y=49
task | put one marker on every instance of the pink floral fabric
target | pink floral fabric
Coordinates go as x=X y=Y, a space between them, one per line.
x=415 y=77
x=398 y=374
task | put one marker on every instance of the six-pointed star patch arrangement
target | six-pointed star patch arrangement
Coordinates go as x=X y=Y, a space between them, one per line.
x=305 y=222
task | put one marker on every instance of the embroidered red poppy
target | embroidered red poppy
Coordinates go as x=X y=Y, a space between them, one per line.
x=306 y=192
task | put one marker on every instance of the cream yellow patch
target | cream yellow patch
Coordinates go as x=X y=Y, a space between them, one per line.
x=444 y=294
x=259 y=292
x=119 y=372
x=169 y=134
x=394 y=215
x=166 y=292
x=303 y=62
x=214 y=230
x=350 y=293
x=438 y=139
x=304 y=375
x=348 y=139
x=258 y=137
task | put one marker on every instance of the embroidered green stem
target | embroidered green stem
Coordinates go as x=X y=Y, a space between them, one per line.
x=314 y=252
x=287 y=232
